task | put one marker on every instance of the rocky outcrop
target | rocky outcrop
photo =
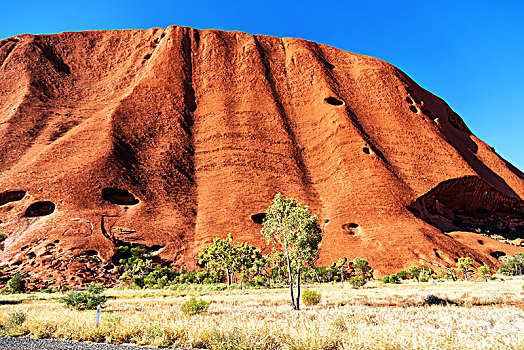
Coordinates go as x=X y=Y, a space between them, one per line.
x=170 y=137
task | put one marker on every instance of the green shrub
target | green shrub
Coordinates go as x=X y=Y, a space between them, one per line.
x=16 y=284
x=83 y=300
x=311 y=297
x=138 y=282
x=194 y=306
x=16 y=319
x=394 y=279
x=95 y=288
x=340 y=324
x=260 y=281
x=357 y=281
x=385 y=279
x=404 y=275
x=3 y=237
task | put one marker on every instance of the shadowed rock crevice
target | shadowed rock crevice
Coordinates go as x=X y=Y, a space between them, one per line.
x=119 y=196
x=40 y=209
x=11 y=196
x=55 y=59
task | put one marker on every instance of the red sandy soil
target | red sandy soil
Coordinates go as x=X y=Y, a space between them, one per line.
x=203 y=127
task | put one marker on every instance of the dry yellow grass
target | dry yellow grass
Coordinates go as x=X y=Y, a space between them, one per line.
x=377 y=317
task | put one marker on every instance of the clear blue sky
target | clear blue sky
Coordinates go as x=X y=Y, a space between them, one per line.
x=469 y=52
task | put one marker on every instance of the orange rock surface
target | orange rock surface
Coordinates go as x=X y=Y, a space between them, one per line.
x=170 y=137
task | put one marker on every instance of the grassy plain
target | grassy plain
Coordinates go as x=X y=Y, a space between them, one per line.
x=488 y=315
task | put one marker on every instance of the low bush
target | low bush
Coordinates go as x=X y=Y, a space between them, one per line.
x=16 y=284
x=194 y=306
x=95 y=288
x=340 y=324
x=404 y=275
x=357 y=281
x=83 y=300
x=311 y=297
x=394 y=279
x=260 y=281
x=16 y=319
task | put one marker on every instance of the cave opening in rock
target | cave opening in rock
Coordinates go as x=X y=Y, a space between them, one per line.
x=351 y=228
x=11 y=196
x=258 y=218
x=40 y=209
x=413 y=109
x=497 y=254
x=119 y=196
x=366 y=150
x=334 y=101
x=409 y=100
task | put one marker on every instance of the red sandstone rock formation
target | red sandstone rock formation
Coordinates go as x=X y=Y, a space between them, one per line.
x=170 y=137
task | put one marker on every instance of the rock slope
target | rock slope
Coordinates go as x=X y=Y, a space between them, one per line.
x=170 y=137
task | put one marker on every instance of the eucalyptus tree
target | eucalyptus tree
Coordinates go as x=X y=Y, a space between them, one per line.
x=220 y=255
x=294 y=231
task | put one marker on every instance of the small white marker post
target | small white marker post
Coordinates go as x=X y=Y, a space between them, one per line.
x=97 y=316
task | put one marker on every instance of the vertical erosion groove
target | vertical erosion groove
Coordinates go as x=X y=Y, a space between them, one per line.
x=307 y=182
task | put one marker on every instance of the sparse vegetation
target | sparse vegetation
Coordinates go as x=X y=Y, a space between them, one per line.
x=87 y=300
x=382 y=316
x=311 y=297
x=514 y=265
x=16 y=284
x=194 y=306
x=357 y=281
x=3 y=237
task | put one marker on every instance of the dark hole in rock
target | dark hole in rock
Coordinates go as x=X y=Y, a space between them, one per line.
x=108 y=266
x=148 y=56
x=413 y=109
x=333 y=101
x=481 y=242
x=351 y=228
x=31 y=255
x=11 y=196
x=432 y=117
x=87 y=253
x=56 y=241
x=366 y=150
x=258 y=218
x=497 y=254
x=40 y=209
x=118 y=196
x=409 y=100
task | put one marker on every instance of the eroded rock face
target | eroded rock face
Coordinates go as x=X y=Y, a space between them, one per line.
x=470 y=203
x=199 y=129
